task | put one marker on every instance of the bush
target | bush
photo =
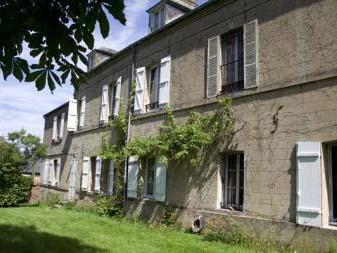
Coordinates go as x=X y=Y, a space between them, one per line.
x=169 y=218
x=109 y=206
x=16 y=191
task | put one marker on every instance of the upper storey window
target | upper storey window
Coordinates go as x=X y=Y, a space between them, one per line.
x=58 y=127
x=156 y=20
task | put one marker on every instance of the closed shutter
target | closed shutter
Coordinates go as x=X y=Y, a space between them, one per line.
x=63 y=115
x=51 y=177
x=111 y=177
x=213 y=67
x=160 y=182
x=55 y=128
x=250 y=40
x=72 y=179
x=139 y=92
x=104 y=114
x=133 y=168
x=58 y=171
x=46 y=171
x=72 y=116
x=309 y=189
x=82 y=112
x=165 y=80
x=98 y=172
x=117 y=96
x=85 y=173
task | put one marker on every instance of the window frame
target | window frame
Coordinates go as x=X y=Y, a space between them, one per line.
x=155 y=105
x=332 y=218
x=238 y=83
x=224 y=181
x=146 y=194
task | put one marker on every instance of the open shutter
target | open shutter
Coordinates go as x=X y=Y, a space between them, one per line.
x=72 y=115
x=63 y=115
x=213 y=67
x=165 y=80
x=160 y=187
x=85 y=173
x=250 y=40
x=55 y=128
x=117 y=96
x=111 y=177
x=133 y=168
x=46 y=172
x=98 y=172
x=58 y=171
x=104 y=114
x=82 y=112
x=139 y=92
x=309 y=189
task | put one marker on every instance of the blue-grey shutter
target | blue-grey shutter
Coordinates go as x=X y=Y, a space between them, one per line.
x=160 y=182
x=111 y=178
x=132 y=183
x=213 y=67
x=250 y=40
x=58 y=172
x=309 y=183
x=165 y=80
x=85 y=173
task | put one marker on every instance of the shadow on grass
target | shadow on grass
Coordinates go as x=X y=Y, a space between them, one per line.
x=28 y=239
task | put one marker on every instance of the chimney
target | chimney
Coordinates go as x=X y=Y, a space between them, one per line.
x=97 y=56
x=166 y=11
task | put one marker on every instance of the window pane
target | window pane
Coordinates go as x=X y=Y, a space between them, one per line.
x=150 y=177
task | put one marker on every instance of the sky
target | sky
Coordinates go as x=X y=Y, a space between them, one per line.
x=22 y=106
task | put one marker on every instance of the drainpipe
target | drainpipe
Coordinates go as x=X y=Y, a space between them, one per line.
x=129 y=127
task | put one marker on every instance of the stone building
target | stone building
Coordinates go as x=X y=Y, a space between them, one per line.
x=277 y=60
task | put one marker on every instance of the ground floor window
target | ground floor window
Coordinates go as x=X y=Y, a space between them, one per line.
x=52 y=171
x=150 y=177
x=232 y=177
x=333 y=184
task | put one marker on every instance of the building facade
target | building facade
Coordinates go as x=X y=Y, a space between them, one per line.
x=276 y=59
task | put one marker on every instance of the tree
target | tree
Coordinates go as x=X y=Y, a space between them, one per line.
x=57 y=33
x=29 y=145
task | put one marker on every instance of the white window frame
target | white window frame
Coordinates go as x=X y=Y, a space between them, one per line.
x=332 y=219
x=224 y=185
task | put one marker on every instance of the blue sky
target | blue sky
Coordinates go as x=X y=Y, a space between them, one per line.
x=22 y=106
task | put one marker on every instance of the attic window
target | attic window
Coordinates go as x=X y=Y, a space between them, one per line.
x=156 y=20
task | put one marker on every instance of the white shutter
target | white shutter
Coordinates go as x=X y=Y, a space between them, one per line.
x=104 y=114
x=51 y=177
x=117 y=96
x=250 y=40
x=55 y=128
x=111 y=177
x=98 y=172
x=213 y=67
x=63 y=115
x=58 y=172
x=85 y=173
x=46 y=172
x=82 y=112
x=133 y=168
x=309 y=189
x=165 y=80
x=139 y=92
x=160 y=187
x=72 y=115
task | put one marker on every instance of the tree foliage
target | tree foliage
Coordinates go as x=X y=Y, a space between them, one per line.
x=57 y=34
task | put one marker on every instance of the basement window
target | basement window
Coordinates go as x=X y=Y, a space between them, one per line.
x=232 y=68
x=232 y=177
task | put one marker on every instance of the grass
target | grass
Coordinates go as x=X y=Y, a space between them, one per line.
x=41 y=229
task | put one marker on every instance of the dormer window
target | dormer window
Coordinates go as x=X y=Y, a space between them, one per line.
x=156 y=20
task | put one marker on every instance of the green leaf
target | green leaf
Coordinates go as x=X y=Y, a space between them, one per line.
x=56 y=78
x=23 y=65
x=83 y=58
x=51 y=82
x=88 y=39
x=64 y=75
x=78 y=35
x=41 y=81
x=17 y=72
x=35 y=52
x=103 y=24
x=32 y=76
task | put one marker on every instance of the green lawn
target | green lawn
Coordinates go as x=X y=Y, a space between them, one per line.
x=40 y=229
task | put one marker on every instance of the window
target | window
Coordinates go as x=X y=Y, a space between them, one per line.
x=156 y=20
x=52 y=170
x=150 y=177
x=153 y=88
x=333 y=184
x=233 y=181
x=113 y=98
x=58 y=127
x=232 y=68
x=82 y=112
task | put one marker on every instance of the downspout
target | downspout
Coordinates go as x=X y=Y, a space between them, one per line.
x=129 y=125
